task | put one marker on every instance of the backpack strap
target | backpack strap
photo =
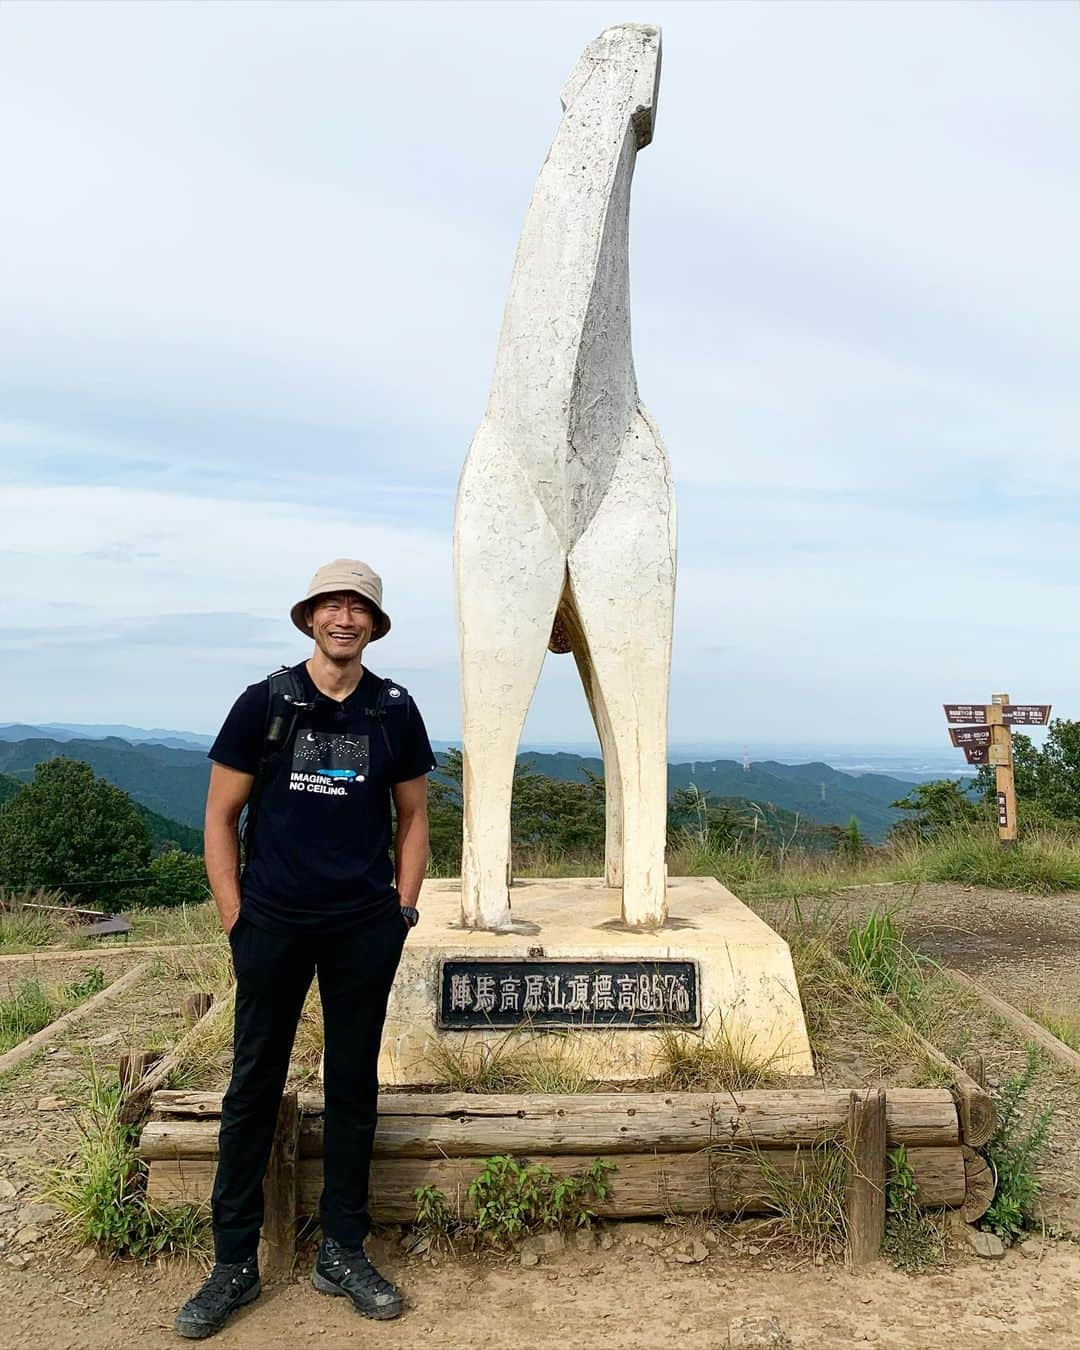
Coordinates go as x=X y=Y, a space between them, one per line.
x=392 y=699
x=285 y=701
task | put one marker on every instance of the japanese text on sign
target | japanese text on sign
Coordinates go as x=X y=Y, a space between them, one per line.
x=1003 y=811
x=970 y=735
x=965 y=712
x=560 y=993
x=1025 y=714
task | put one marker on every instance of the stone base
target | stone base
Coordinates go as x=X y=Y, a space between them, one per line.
x=747 y=983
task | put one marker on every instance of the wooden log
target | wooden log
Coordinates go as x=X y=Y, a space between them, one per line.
x=726 y=1181
x=980 y=1184
x=83 y=1010
x=135 y=1107
x=277 y=1247
x=864 y=1201
x=133 y=1067
x=1026 y=1026
x=466 y=1125
x=974 y=1105
x=195 y=1006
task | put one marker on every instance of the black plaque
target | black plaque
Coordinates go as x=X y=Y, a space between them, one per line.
x=1025 y=714
x=970 y=735
x=977 y=754
x=965 y=712
x=474 y=992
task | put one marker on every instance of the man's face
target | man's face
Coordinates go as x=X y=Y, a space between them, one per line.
x=342 y=625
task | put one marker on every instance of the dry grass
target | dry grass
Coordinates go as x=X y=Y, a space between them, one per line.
x=1060 y=1019
x=519 y=1061
x=724 y=1059
x=809 y=1204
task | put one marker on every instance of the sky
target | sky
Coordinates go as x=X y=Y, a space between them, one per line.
x=253 y=264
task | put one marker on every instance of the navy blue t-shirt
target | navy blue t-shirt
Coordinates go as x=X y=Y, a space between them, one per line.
x=319 y=856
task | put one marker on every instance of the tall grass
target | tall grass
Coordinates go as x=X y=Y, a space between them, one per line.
x=24 y=928
x=101 y=1188
x=30 y=1005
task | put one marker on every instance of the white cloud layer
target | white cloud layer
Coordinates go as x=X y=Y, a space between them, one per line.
x=254 y=262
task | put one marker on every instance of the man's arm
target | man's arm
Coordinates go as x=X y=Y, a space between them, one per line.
x=229 y=790
x=411 y=837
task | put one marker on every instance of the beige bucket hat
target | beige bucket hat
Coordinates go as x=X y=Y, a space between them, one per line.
x=345 y=574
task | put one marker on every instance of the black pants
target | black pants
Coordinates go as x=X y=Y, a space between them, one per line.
x=273 y=974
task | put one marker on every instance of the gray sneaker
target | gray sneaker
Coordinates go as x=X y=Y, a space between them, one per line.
x=227 y=1288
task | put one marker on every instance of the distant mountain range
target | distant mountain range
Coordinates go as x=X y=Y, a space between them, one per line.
x=75 y=731
x=169 y=779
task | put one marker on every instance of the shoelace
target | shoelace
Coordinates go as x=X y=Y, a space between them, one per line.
x=217 y=1292
x=363 y=1270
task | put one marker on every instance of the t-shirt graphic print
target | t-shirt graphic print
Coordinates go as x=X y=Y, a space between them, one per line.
x=329 y=762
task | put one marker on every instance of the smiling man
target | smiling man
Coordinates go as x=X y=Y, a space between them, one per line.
x=316 y=753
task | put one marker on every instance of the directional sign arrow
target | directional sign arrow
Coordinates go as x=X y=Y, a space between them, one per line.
x=970 y=735
x=965 y=712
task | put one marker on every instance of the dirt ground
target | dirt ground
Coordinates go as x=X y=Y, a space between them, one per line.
x=630 y=1292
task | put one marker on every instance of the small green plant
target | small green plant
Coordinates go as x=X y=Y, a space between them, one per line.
x=912 y=1240
x=435 y=1217
x=512 y=1199
x=1014 y=1151
x=572 y=1198
x=102 y=1189
x=92 y=982
x=509 y=1199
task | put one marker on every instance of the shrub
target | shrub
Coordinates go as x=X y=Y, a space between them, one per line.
x=1014 y=1152
x=177 y=878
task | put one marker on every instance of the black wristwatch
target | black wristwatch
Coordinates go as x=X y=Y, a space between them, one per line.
x=411 y=915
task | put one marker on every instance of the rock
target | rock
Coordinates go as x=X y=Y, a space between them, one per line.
x=34 y=1215
x=544 y=1244
x=1034 y=1247
x=583 y=1240
x=83 y=1259
x=110 y=1038
x=19 y=1262
x=607 y=1240
x=987 y=1245
x=7 y=1190
x=26 y=1237
x=51 y=1104
x=529 y=1258
x=652 y=1242
x=756 y=1333
x=415 y=1244
x=692 y=1252
x=710 y=1238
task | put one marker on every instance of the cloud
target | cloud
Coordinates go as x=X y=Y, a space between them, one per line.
x=258 y=255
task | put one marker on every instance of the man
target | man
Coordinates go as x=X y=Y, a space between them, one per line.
x=316 y=754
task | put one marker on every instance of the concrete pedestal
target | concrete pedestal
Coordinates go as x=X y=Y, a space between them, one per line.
x=745 y=976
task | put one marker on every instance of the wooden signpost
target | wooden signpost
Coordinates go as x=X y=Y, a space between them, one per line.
x=987 y=739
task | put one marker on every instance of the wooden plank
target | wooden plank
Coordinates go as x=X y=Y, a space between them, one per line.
x=26 y=1048
x=725 y=1180
x=196 y=1006
x=135 y=1107
x=864 y=1201
x=467 y=1125
x=1026 y=1026
x=277 y=1246
x=134 y=1066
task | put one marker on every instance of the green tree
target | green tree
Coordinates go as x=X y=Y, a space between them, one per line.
x=1058 y=770
x=177 y=878
x=67 y=830
x=444 y=813
x=557 y=814
x=935 y=808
